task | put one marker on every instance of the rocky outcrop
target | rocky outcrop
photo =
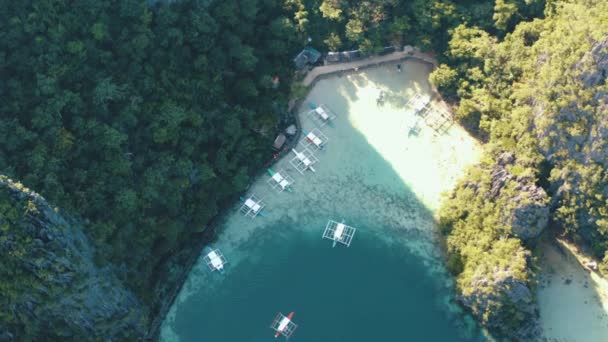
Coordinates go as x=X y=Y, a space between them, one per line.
x=51 y=288
x=501 y=301
x=526 y=205
x=575 y=137
x=496 y=287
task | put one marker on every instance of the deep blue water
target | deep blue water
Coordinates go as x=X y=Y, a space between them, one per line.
x=371 y=291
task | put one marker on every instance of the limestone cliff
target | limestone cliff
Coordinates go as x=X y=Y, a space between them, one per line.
x=497 y=289
x=50 y=285
x=525 y=205
x=574 y=139
x=501 y=300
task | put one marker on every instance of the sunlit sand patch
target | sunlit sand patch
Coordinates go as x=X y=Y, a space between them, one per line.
x=573 y=301
x=428 y=163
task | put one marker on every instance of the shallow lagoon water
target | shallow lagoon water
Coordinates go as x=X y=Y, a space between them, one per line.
x=390 y=284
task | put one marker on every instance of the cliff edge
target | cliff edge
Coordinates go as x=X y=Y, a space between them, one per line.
x=51 y=288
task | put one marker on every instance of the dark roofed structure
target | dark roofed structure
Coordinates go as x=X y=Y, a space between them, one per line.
x=348 y=56
x=307 y=56
x=332 y=57
x=279 y=141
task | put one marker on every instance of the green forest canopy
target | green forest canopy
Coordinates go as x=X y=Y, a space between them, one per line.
x=527 y=96
x=145 y=120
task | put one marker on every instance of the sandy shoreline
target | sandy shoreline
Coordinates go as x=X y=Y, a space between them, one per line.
x=573 y=300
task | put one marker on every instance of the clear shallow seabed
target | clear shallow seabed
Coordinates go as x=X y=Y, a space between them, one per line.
x=390 y=284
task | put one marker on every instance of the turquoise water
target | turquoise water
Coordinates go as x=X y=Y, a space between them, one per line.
x=371 y=291
x=389 y=285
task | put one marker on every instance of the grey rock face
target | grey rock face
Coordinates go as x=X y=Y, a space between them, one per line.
x=585 y=148
x=500 y=296
x=72 y=298
x=527 y=210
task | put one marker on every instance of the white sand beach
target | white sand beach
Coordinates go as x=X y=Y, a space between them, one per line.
x=573 y=300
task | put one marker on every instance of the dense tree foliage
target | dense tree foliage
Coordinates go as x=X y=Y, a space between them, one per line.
x=372 y=24
x=142 y=120
x=538 y=94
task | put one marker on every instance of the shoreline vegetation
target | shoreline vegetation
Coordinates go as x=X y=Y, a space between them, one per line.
x=144 y=120
x=536 y=98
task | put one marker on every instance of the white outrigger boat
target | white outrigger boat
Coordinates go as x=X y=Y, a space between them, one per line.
x=280 y=181
x=339 y=232
x=214 y=259
x=282 y=325
x=321 y=115
x=303 y=160
x=252 y=206
x=315 y=138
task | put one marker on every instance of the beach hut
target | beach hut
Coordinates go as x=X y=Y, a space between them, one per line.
x=280 y=181
x=320 y=115
x=339 y=232
x=314 y=140
x=303 y=160
x=349 y=56
x=332 y=57
x=252 y=206
x=307 y=56
x=214 y=259
x=282 y=325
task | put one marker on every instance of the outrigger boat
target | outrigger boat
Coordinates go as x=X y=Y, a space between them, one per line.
x=313 y=139
x=252 y=207
x=321 y=114
x=282 y=325
x=339 y=232
x=214 y=259
x=280 y=180
x=307 y=163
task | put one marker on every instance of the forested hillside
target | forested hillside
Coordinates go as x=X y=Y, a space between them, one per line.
x=143 y=120
x=370 y=25
x=539 y=99
x=51 y=290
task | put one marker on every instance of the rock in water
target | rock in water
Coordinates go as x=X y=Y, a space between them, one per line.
x=51 y=287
